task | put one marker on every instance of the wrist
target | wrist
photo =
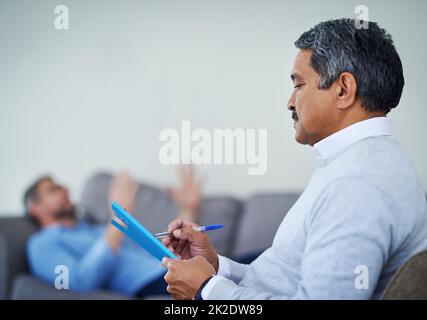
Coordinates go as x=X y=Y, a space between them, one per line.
x=189 y=215
x=198 y=295
x=215 y=263
x=114 y=238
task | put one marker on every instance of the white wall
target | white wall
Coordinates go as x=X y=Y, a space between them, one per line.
x=96 y=96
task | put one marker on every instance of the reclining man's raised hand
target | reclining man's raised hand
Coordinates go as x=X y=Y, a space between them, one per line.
x=122 y=189
x=189 y=193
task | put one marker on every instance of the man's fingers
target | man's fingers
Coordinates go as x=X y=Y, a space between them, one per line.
x=175 y=224
x=166 y=240
x=180 y=172
x=186 y=234
x=175 y=243
x=180 y=247
x=188 y=172
x=167 y=262
x=180 y=224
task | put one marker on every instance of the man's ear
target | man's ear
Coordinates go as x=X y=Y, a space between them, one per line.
x=346 y=85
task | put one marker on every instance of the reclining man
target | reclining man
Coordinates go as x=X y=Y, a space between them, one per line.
x=97 y=256
x=363 y=213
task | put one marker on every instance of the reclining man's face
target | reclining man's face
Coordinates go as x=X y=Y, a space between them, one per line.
x=53 y=200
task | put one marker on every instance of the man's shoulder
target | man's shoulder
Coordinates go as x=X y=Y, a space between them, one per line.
x=43 y=237
x=379 y=152
x=381 y=162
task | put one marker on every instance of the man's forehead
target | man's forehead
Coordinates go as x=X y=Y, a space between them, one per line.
x=302 y=65
x=46 y=183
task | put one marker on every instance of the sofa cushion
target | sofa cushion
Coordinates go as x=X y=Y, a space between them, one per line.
x=261 y=217
x=26 y=287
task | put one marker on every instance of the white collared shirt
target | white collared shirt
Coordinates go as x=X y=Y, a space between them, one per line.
x=335 y=143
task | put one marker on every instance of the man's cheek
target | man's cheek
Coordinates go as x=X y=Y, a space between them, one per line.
x=300 y=107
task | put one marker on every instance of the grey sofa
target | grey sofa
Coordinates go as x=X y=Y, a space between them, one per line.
x=261 y=213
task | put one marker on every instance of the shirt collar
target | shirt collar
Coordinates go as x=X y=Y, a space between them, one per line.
x=337 y=142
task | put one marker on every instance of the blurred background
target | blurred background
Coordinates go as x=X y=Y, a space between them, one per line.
x=96 y=96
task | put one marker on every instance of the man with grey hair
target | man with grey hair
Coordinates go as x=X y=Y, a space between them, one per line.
x=363 y=213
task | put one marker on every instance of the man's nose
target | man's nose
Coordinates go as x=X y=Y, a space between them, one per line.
x=291 y=103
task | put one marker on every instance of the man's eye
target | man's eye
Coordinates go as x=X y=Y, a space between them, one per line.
x=298 y=86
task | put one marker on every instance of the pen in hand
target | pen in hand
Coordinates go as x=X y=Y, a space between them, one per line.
x=201 y=228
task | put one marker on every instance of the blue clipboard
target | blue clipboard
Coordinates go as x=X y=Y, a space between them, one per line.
x=136 y=231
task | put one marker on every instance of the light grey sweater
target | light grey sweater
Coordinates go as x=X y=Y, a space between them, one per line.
x=362 y=215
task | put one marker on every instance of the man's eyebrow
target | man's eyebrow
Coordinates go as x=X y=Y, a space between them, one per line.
x=295 y=77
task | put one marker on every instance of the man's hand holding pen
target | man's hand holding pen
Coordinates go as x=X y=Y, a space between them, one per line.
x=199 y=259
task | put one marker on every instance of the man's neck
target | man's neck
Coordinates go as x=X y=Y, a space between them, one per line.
x=66 y=222
x=360 y=117
x=348 y=121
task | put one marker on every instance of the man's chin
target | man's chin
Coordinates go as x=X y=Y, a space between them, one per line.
x=68 y=213
x=299 y=137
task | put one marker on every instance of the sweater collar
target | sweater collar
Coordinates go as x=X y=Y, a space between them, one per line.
x=337 y=142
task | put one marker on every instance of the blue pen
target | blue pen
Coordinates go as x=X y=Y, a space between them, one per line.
x=202 y=228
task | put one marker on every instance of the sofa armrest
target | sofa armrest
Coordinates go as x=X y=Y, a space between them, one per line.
x=14 y=232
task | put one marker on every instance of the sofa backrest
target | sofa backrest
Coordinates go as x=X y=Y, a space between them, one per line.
x=261 y=214
x=153 y=206
x=221 y=210
x=260 y=219
x=155 y=209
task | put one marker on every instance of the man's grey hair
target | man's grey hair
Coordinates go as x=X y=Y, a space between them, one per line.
x=369 y=54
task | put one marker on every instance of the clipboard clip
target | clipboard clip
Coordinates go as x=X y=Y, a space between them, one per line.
x=138 y=233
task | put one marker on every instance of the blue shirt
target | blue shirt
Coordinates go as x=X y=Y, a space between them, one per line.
x=90 y=261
